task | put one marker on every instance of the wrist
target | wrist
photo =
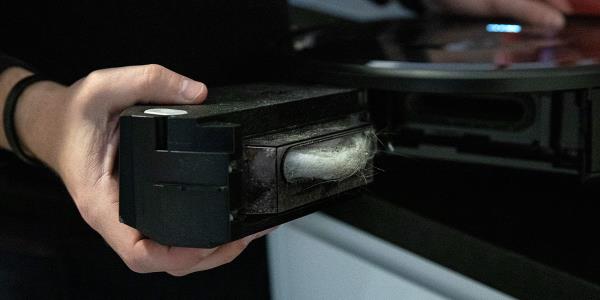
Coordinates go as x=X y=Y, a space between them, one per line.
x=37 y=121
x=8 y=79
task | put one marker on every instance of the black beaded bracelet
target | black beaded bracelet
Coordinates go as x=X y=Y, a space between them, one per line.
x=10 y=107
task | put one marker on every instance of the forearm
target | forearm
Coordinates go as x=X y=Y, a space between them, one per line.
x=37 y=115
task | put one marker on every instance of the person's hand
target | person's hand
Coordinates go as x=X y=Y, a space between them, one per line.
x=537 y=12
x=75 y=131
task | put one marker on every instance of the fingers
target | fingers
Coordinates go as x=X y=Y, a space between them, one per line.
x=536 y=12
x=532 y=12
x=127 y=86
x=143 y=255
x=140 y=254
x=149 y=256
x=224 y=255
x=563 y=5
x=158 y=84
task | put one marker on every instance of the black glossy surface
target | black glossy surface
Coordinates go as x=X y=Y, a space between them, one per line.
x=528 y=234
x=463 y=44
x=439 y=55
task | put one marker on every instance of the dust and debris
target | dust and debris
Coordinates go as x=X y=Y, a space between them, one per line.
x=334 y=159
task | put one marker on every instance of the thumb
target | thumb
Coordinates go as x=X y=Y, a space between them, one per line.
x=127 y=86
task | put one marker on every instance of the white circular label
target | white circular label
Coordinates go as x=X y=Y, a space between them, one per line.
x=165 y=112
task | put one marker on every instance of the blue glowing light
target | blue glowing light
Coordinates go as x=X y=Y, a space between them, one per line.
x=503 y=28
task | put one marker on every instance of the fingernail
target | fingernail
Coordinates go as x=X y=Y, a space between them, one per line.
x=248 y=239
x=192 y=90
x=265 y=232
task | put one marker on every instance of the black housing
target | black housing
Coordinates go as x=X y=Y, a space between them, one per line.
x=185 y=179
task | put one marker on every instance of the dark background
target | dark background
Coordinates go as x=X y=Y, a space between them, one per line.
x=46 y=250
